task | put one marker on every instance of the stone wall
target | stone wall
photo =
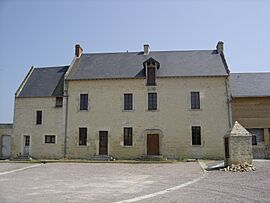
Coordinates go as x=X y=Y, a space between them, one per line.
x=173 y=119
x=5 y=129
x=25 y=124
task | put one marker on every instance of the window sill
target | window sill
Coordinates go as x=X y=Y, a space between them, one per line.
x=152 y=110
x=195 y=109
x=83 y=110
x=127 y=146
x=198 y=146
x=132 y=110
x=83 y=146
x=58 y=107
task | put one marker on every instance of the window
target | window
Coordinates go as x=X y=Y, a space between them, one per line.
x=254 y=140
x=196 y=135
x=50 y=139
x=83 y=101
x=195 y=100
x=39 y=118
x=152 y=101
x=127 y=136
x=26 y=140
x=128 y=102
x=59 y=102
x=82 y=136
x=151 y=76
x=257 y=135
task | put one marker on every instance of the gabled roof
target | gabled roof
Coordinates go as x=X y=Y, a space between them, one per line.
x=151 y=60
x=250 y=84
x=130 y=64
x=44 y=82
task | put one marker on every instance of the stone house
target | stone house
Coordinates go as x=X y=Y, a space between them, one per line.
x=129 y=104
x=6 y=131
x=251 y=108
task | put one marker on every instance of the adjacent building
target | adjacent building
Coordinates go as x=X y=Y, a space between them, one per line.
x=251 y=108
x=6 y=131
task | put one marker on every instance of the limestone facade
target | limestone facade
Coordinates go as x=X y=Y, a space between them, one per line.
x=25 y=125
x=172 y=120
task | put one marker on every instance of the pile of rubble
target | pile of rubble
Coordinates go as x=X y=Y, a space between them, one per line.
x=245 y=167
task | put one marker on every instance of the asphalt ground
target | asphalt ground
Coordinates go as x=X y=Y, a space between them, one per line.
x=106 y=182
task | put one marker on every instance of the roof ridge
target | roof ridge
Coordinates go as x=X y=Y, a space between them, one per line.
x=134 y=52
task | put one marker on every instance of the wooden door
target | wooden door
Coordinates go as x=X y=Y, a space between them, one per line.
x=152 y=144
x=103 y=142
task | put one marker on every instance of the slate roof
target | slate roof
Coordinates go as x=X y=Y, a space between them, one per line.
x=44 y=82
x=250 y=84
x=130 y=64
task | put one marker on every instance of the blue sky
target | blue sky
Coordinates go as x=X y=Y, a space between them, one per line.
x=43 y=33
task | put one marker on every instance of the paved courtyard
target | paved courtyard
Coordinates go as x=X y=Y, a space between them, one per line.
x=103 y=182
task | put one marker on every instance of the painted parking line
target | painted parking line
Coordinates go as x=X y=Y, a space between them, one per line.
x=163 y=191
x=20 y=169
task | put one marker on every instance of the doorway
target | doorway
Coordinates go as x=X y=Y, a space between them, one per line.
x=26 y=145
x=152 y=144
x=6 y=146
x=103 y=142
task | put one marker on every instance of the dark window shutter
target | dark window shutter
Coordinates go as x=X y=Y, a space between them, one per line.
x=195 y=100
x=128 y=101
x=152 y=101
x=83 y=101
x=59 y=102
x=196 y=135
x=82 y=136
x=50 y=139
x=127 y=136
x=151 y=76
x=39 y=118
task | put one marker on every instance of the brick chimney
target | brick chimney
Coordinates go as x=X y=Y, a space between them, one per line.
x=220 y=47
x=78 y=50
x=146 y=49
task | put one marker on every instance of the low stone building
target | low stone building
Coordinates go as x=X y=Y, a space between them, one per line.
x=6 y=131
x=251 y=108
x=125 y=105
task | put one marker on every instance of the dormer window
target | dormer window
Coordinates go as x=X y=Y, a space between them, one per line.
x=151 y=75
x=151 y=66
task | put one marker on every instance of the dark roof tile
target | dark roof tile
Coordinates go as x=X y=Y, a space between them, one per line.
x=130 y=64
x=44 y=82
x=250 y=84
